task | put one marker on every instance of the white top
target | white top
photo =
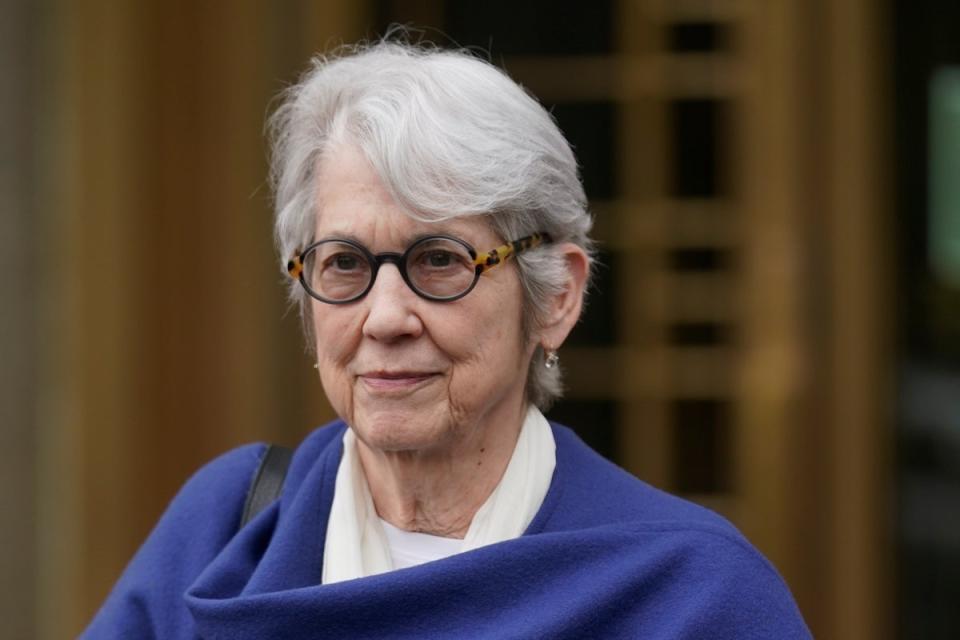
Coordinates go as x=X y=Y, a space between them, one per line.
x=408 y=548
x=357 y=543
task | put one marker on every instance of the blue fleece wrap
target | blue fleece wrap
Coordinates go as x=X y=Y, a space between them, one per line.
x=607 y=556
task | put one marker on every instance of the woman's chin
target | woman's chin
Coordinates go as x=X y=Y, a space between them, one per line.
x=392 y=430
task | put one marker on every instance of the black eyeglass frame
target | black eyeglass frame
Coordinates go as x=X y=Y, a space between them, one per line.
x=482 y=262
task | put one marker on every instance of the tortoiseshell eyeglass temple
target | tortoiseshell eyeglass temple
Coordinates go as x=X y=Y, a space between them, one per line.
x=492 y=258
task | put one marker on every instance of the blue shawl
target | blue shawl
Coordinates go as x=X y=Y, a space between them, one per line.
x=607 y=556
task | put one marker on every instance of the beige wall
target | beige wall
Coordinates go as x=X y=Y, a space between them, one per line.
x=19 y=244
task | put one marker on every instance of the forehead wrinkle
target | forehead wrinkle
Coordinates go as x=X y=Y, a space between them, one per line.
x=401 y=239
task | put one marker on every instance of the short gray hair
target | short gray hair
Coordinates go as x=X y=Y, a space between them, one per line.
x=451 y=136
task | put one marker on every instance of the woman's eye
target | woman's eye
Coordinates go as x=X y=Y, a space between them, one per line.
x=344 y=262
x=439 y=259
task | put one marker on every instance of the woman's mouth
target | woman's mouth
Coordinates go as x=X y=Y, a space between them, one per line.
x=395 y=380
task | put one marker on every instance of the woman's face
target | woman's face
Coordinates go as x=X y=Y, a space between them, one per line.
x=406 y=373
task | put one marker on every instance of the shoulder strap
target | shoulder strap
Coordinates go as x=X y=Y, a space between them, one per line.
x=267 y=482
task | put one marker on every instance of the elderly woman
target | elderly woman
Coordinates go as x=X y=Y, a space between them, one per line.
x=431 y=217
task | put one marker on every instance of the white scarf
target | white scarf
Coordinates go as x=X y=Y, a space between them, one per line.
x=356 y=545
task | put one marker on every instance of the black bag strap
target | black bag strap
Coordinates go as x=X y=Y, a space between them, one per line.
x=267 y=482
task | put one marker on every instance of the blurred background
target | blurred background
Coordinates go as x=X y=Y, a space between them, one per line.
x=775 y=333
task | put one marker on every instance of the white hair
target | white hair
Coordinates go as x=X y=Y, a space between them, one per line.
x=451 y=136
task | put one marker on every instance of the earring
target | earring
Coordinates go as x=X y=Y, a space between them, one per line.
x=316 y=366
x=552 y=359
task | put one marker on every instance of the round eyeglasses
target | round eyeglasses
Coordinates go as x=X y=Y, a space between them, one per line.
x=439 y=268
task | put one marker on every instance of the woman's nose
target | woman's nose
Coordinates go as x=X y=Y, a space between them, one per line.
x=391 y=307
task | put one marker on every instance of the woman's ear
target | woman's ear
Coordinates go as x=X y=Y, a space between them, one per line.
x=564 y=307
